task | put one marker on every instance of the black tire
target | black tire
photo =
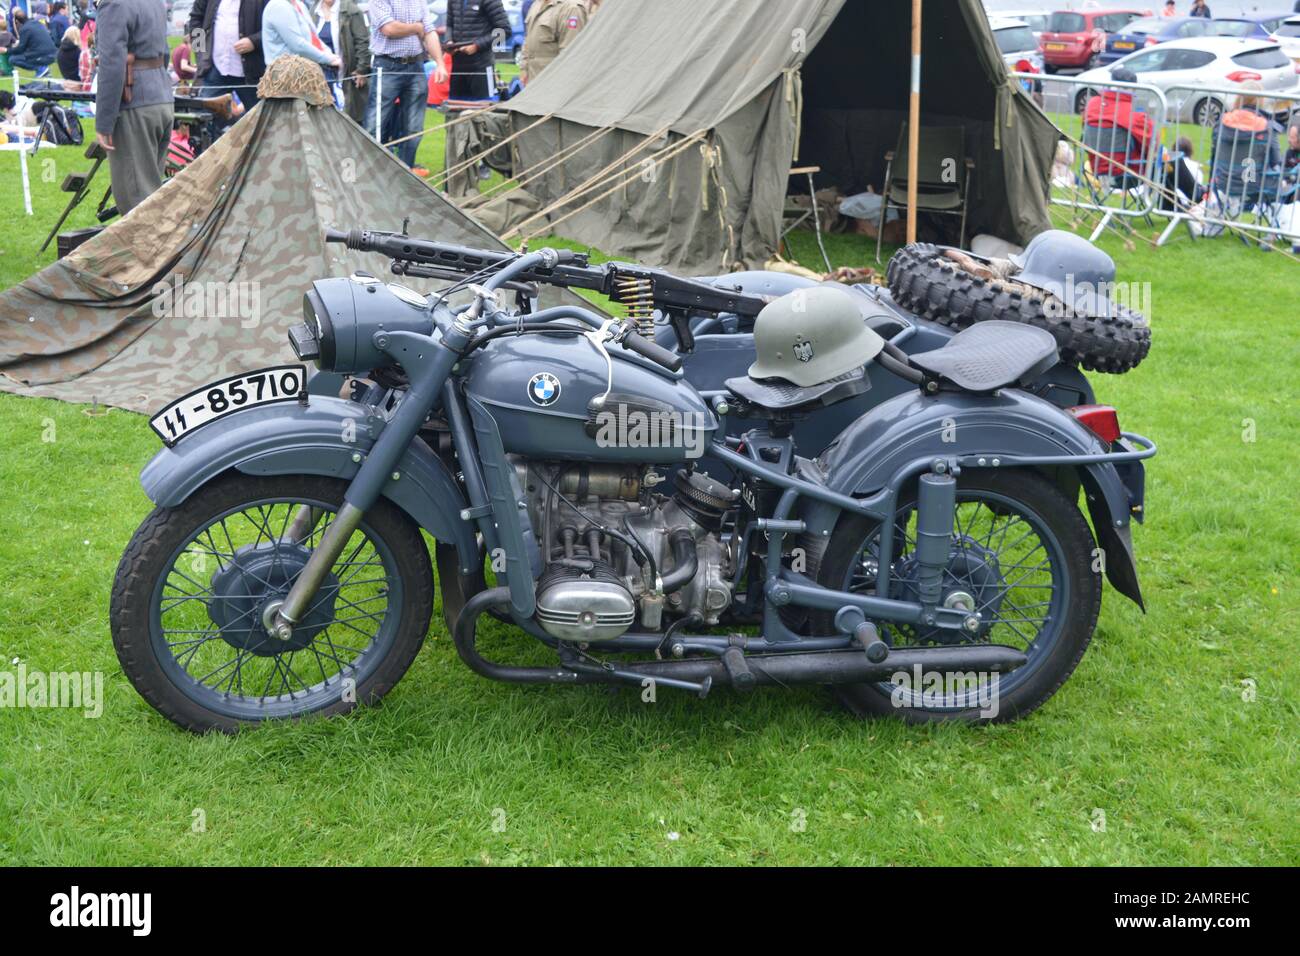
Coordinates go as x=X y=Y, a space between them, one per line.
x=1081 y=101
x=1062 y=651
x=168 y=533
x=922 y=281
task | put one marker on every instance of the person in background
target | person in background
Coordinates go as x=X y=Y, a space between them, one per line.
x=34 y=50
x=402 y=35
x=133 y=101
x=342 y=27
x=183 y=68
x=227 y=37
x=1291 y=160
x=80 y=13
x=1123 y=135
x=551 y=25
x=472 y=25
x=59 y=21
x=287 y=29
x=1200 y=9
x=69 y=56
x=6 y=41
x=87 y=62
x=1170 y=10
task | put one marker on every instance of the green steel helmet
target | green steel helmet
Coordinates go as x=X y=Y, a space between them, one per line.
x=811 y=336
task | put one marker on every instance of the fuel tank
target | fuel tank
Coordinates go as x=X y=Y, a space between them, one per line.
x=545 y=391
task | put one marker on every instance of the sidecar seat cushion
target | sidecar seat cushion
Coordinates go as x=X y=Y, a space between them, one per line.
x=991 y=355
x=777 y=394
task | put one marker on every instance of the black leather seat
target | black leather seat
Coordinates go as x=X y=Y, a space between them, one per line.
x=991 y=355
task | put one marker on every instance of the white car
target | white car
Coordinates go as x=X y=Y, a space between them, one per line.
x=1202 y=63
x=1017 y=43
x=1287 y=36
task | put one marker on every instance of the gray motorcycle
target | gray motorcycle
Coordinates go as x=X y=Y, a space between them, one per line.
x=931 y=562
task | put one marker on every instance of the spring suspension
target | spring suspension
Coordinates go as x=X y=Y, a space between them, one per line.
x=637 y=294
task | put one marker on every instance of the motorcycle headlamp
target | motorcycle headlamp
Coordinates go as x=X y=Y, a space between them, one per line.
x=342 y=316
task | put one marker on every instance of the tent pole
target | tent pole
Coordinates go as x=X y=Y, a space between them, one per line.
x=914 y=121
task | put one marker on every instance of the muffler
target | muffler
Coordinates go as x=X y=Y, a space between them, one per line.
x=700 y=674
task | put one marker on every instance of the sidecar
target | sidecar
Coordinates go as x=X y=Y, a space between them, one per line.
x=723 y=348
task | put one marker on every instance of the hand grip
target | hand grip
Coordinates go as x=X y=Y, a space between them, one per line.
x=654 y=352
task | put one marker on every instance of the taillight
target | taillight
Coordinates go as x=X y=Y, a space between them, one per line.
x=1101 y=420
x=1151 y=41
x=1241 y=76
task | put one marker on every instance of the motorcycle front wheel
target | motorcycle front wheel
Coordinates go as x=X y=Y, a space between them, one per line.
x=193 y=586
x=1022 y=556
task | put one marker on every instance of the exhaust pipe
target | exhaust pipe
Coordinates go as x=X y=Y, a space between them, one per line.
x=699 y=674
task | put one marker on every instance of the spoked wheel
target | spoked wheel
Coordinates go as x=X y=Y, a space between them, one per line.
x=1021 y=556
x=198 y=583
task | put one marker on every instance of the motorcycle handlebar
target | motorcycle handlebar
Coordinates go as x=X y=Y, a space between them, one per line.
x=653 y=351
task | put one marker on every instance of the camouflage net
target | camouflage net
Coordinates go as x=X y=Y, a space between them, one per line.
x=291 y=77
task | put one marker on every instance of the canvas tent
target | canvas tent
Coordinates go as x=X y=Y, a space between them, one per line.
x=699 y=109
x=203 y=279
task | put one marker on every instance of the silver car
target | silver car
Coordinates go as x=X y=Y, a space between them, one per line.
x=1203 y=63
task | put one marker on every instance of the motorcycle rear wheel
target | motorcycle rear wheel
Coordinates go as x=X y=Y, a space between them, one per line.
x=994 y=510
x=193 y=584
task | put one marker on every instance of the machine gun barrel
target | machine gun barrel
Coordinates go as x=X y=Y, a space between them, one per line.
x=638 y=287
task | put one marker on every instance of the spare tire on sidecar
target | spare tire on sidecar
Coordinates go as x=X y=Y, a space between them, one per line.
x=957 y=289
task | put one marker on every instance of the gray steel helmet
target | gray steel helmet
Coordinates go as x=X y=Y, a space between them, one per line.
x=811 y=336
x=1070 y=268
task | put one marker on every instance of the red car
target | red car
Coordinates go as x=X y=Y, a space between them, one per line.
x=1074 y=37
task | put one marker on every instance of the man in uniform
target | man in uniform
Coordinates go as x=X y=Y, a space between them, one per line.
x=551 y=25
x=133 y=104
x=472 y=26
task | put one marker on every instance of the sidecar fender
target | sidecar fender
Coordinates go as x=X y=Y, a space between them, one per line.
x=912 y=428
x=326 y=436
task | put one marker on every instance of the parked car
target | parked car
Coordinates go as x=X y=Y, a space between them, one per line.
x=1036 y=19
x=1150 y=31
x=1287 y=36
x=1016 y=42
x=1249 y=27
x=1206 y=62
x=1074 y=37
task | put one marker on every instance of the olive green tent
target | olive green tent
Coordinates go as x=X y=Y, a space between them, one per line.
x=666 y=132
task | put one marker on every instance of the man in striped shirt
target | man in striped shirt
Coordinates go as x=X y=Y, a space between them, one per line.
x=401 y=34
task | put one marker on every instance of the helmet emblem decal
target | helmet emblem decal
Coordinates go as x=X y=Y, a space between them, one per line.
x=803 y=351
x=544 y=389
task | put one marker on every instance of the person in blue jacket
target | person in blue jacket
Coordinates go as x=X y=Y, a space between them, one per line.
x=286 y=28
x=34 y=50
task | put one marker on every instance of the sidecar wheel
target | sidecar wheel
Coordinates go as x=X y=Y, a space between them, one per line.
x=194 y=582
x=1026 y=557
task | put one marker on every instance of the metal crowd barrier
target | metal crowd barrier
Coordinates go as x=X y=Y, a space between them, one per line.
x=1240 y=181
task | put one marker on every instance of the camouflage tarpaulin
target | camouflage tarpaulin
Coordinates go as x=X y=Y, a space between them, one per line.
x=767 y=85
x=203 y=279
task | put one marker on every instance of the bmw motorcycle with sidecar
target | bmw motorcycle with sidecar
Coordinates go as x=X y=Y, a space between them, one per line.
x=929 y=561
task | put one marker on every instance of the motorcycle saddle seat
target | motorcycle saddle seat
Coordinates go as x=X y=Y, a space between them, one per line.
x=991 y=355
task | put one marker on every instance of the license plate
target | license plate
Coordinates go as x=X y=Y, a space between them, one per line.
x=282 y=383
x=1054 y=46
x=1120 y=45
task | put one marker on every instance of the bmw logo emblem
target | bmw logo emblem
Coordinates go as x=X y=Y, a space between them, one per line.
x=544 y=389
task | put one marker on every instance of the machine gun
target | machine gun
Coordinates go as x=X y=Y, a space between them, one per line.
x=220 y=107
x=641 y=289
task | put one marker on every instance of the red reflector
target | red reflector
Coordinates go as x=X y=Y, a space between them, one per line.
x=1101 y=420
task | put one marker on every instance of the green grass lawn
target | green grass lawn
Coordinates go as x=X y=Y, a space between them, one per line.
x=1158 y=730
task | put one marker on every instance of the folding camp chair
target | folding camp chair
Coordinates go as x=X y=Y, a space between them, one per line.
x=943 y=175
x=796 y=215
x=1115 y=165
x=1241 y=181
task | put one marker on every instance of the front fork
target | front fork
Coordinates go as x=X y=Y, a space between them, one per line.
x=428 y=363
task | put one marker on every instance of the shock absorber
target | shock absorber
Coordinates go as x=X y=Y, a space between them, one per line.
x=936 y=498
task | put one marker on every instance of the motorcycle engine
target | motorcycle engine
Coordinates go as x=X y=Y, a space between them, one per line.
x=617 y=550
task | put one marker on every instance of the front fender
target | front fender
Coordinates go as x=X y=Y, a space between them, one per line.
x=327 y=436
x=912 y=428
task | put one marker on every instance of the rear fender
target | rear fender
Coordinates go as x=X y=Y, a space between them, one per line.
x=904 y=435
x=327 y=436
